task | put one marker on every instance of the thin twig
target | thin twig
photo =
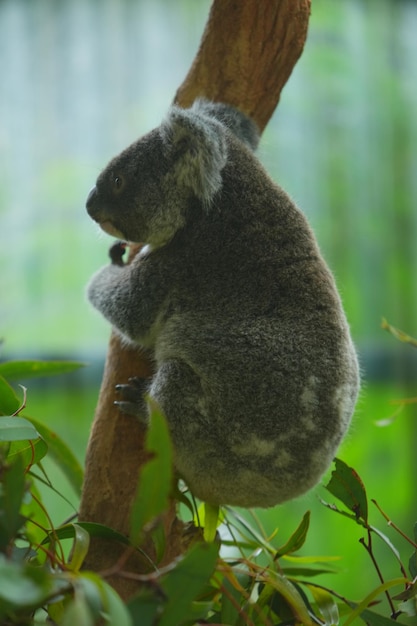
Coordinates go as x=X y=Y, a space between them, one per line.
x=395 y=527
x=368 y=548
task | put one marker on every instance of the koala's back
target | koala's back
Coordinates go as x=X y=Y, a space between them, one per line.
x=252 y=297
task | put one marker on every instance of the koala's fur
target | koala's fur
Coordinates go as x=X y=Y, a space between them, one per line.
x=255 y=368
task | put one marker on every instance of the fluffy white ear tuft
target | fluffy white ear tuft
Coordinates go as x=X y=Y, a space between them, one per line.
x=197 y=144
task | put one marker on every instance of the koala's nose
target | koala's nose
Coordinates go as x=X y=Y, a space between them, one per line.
x=90 y=200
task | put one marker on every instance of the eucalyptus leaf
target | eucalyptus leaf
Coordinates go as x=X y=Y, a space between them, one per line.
x=9 y=402
x=89 y=585
x=346 y=485
x=23 y=585
x=375 y=619
x=13 y=428
x=362 y=608
x=297 y=539
x=326 y=604
x=291 y=595
x=114 y=609
x=231 y=602
x=31 y=451
x=307 y=572
x=78 y=612
x=182 y=585
x=155 y=479
x=11 y=496
x=79 y=548
x=211 y=520
x=61 y=454
x=17 y=370
x=144 y=608
x=93 y=529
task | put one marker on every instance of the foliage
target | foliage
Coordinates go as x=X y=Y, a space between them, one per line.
x=240 y=577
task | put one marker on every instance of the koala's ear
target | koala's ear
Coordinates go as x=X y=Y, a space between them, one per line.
x=197 y=146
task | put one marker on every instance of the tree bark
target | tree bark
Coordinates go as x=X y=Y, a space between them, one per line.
x=247 y=53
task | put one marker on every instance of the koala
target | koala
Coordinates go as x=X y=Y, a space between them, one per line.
x=255 y=369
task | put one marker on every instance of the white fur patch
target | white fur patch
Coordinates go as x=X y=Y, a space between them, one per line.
x=309 y=396
x=309 y=403
x=282 y=459
x=254 y=445
x=343 y=401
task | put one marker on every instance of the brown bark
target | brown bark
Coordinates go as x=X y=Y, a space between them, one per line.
x=247 y=52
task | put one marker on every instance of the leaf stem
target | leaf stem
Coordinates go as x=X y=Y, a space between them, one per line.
x=368 y=548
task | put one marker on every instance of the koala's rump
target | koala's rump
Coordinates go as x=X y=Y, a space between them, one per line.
x=274 y=422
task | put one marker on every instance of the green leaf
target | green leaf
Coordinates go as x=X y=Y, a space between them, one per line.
x=409 y=607
x=287 y=590
x=144 y=608
x=155 y=479
x=360 y=609
x=61 y=454
x=376 y=619
x=23 y=585
x=306 y=572
x=79 y=548
x=346 y=485
x=198 y=613
x=183 y=584
x=11 y=496
x=211 y=520
x=231 y=602
x=259 y=540
x=56 y=610
x=9 y=402
x=326 y=604
x=159 y=542
x=31 y=451
x=16 y=429
x=37 y=520
x=94 y=530
x=115 y=611
x=16 y=370
x=78 y=612
x=277 y=603
x=89 y=586
x=311 y=559
x=297 y=539
x=410 y=592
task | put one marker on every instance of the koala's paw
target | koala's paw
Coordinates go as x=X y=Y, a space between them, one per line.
x=133 y=398
x=116 y=253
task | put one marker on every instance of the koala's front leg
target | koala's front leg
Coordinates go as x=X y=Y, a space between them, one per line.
x=126 y=294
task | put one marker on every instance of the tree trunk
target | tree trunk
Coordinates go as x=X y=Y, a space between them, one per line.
x=247 y=53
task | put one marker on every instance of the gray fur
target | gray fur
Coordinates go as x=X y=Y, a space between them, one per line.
x=255 y=368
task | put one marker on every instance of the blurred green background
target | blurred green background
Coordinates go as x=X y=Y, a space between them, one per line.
x=83 y=78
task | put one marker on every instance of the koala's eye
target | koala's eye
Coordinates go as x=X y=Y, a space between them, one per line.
x=118 y=182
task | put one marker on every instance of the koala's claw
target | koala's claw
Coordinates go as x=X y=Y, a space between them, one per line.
x=134 y=390
x=117 y=251
x=132 y=395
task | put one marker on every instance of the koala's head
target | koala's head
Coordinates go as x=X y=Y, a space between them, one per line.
x=144 y=194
